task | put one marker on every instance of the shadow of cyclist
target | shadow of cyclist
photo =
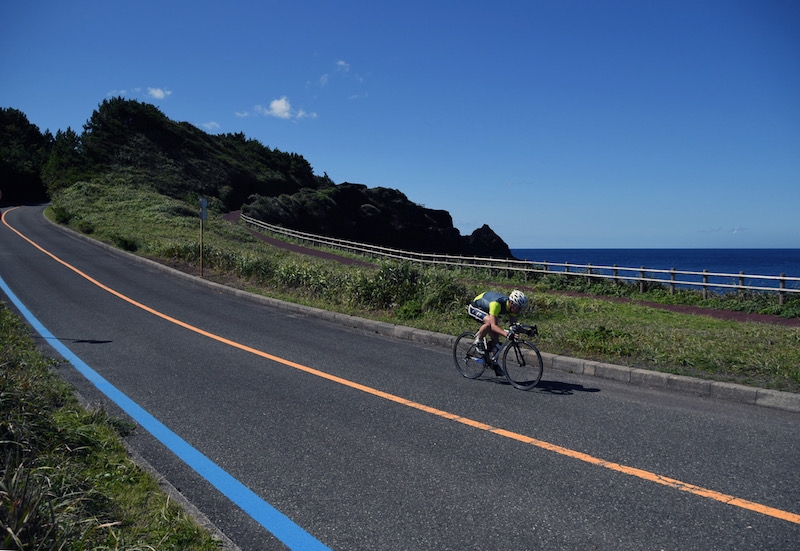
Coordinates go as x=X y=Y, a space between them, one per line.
x=563 y=389
x=551 y=387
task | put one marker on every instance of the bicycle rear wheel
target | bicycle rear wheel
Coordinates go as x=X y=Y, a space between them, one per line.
x=523 y=365
x=469 y=361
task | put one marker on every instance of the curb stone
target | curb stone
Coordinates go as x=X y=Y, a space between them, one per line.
x=732 y=392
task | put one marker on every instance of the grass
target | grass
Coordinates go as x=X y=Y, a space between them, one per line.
x=627 y=333
x=743 y=301
x=66 y=480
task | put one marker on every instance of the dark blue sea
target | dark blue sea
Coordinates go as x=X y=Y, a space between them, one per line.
x=768 y=262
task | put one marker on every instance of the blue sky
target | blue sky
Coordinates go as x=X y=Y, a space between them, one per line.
x=589 y=124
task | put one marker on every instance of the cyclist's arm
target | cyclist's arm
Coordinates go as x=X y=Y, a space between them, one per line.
x=494 y=326
x=495 y=308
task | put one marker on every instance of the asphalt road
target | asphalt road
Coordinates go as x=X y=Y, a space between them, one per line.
x=271 y=421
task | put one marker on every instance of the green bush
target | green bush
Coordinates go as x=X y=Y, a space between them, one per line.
x=409 y=310
x=61 y=214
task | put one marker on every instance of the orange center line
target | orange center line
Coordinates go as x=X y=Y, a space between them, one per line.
x=631 y=471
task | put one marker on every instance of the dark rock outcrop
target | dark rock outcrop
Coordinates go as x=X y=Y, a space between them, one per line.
x=484 y=242
x=380 y=216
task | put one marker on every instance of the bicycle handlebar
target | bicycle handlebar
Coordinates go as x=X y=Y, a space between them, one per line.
x=530 y=330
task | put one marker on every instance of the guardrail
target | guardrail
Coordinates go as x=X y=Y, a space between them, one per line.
x=783 y=285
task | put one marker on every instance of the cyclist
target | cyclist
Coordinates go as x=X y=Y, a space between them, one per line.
x=487 y=308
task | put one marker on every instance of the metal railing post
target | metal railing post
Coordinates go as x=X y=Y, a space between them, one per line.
x=641 y=280
x=782 y=292
x=672 y=281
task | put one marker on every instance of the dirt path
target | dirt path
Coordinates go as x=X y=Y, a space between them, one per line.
x=234 y=217
x=680 y=308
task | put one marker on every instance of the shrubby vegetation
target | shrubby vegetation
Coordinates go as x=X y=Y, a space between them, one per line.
x=627 y=333
x=177 y=159
x=143 y=221
x=127 y=136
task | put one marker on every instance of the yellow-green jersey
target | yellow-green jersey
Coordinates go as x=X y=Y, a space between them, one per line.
x=492 y=302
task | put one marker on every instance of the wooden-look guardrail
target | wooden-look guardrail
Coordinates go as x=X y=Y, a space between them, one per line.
x=782 y=284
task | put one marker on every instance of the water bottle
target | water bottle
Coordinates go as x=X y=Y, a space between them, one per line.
x=496 y=349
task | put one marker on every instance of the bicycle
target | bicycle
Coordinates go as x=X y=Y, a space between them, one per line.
x=521 y=362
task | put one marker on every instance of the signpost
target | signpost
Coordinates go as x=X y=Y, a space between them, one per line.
x=203 y=215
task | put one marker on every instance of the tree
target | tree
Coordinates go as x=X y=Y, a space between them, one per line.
x=114 y=123
x=66 y=163
x=23 y=149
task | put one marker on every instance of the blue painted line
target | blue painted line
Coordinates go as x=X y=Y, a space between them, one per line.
x=262 y=512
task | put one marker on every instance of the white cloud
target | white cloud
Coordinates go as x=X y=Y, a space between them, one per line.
x=211 y=126
x=282 y=109
x=158 y=93
x=342 y=70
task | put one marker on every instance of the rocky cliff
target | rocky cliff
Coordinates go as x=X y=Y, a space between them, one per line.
x=380 y=216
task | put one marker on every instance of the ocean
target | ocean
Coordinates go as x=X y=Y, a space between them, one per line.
x=768 y=262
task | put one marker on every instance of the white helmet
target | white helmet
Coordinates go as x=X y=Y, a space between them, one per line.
x=518 y=298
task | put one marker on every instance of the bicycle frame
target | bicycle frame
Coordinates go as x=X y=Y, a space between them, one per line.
x=523 y=368
x=519 y=330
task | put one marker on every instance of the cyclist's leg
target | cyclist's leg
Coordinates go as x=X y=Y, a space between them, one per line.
x=476 y=313
x=480 y=316
x=490 y=328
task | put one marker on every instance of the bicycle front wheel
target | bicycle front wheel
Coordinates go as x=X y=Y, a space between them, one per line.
x=523 y=365
x=469 y=361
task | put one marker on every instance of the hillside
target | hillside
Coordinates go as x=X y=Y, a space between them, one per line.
x=140 y=144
